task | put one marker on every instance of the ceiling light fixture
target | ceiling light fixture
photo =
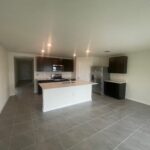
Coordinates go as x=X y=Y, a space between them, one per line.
x=43 y=51
x=87 y=51
x=74 y=54
x=88 y=48
x=49 y=44
x=107 y=51
x=43 y=48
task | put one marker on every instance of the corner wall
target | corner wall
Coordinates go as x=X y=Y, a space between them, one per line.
x=3 y=78
x=138 y=77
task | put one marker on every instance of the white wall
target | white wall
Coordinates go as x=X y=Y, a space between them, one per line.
x=3 y=78
x=138 y=77
x=83 y=66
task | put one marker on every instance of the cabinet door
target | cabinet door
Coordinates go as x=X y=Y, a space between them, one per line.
x=118 y=64
x=46 y=63
x=43 y=64
x=113 y=65
x=56 y=61
x=68 y=65
x=122 y=64
x=108 y=88
x=39 y=64
x=115 y=90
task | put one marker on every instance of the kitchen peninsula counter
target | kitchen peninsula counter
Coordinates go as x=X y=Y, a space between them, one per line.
x=64 y=84
x=62 y=94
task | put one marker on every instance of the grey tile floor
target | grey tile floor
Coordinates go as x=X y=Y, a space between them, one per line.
x=103 y=124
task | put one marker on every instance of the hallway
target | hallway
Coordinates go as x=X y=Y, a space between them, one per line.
x=25 y=87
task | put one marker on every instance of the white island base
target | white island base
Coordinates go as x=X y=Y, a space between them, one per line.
x=58 y=95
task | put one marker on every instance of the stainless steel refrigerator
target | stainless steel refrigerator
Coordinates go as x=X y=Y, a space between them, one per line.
x=99 y=75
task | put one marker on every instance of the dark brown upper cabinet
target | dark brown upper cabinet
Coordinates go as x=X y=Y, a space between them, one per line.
x=56 y=61
x=45 y=64
x=118 y=64
x=68 y=65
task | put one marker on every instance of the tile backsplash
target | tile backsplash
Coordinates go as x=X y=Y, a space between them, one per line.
x=47 y=75
x=118 y=77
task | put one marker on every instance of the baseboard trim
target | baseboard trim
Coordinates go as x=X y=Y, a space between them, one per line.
x=135 y=100
x=4 y=105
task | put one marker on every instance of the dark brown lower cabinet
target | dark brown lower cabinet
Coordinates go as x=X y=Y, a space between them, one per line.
x=116 y=90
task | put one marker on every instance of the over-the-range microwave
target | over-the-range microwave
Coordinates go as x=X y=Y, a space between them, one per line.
x=57 y=68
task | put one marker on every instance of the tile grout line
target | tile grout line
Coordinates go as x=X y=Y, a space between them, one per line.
x=105 y=105
x=130 y=135
x=98 y=132
x=10 y=136
x=93 y=128
x=88 y=121
x=94 y=119
x=78 y=125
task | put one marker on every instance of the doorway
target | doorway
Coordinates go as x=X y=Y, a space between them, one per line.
x=24 y=72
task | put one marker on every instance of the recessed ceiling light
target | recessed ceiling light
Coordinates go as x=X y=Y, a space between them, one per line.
x=49 y=44
x=107 y=51
x=43 y=48
x=87 y=51
x=74 y=54
x=43 y=51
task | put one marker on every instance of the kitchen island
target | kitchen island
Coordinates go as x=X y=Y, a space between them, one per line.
x=62 y=94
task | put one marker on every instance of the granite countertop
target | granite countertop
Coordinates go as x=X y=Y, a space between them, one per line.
x=119 y=82
x=64 y=84
x=51 y=79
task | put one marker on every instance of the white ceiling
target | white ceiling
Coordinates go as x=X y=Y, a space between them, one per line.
x=116 y=25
